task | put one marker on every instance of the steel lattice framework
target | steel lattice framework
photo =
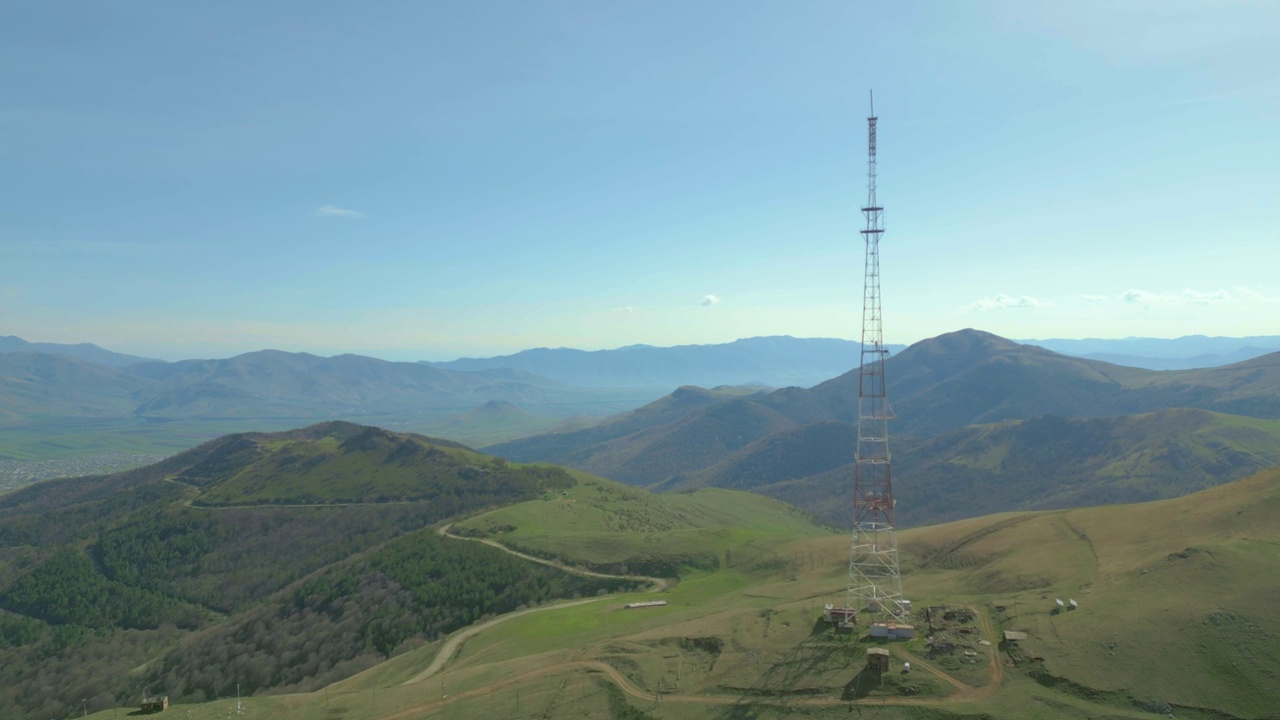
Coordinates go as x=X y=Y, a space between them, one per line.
x=875 y=584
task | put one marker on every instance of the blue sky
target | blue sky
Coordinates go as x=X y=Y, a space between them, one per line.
x=424 y=180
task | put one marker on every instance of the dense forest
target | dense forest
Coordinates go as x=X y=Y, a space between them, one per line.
x=354 y=615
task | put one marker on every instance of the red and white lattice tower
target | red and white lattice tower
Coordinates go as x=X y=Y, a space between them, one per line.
x=875 y=584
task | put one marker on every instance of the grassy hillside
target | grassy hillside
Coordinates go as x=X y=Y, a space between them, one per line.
x=1176 y=595
x=610 y=526
x=1175 y=618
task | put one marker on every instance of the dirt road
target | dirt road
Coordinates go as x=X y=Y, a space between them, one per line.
x=965 y=693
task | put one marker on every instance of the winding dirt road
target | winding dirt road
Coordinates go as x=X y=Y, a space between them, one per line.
x=965 y=693
x=655 y=584
x=451 y=647
x=624 y=684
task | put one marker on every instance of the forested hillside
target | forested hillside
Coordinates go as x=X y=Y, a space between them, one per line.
x=210 y=564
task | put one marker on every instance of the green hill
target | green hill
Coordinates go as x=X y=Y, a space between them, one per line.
x=608 y=526
x=287 y=561
x=1174 y=617
x=1176 y=596
x=233 y=545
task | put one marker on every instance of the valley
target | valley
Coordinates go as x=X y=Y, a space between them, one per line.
x=348 y=571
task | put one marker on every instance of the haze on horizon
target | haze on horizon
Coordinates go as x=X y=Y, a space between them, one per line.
x=427 y=181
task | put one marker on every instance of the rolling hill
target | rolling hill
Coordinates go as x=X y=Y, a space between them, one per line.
x=280 y=561
x=1174 y=618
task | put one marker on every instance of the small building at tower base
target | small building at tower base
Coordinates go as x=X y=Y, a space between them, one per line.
x=892 y=631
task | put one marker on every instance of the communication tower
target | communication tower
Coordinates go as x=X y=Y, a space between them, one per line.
x=875 y=584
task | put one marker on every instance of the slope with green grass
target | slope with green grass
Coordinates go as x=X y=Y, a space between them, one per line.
x=610 y=526
x=1176 y=617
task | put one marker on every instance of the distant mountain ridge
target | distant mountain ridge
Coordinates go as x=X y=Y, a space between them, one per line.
x=777 y=361
x=81 y=351
x=274 y=384
x=1184 y=353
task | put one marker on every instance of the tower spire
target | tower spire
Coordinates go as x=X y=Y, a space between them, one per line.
x=875 y=583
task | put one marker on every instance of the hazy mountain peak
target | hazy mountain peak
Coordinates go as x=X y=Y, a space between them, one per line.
x=81 y=351
x=967 y=340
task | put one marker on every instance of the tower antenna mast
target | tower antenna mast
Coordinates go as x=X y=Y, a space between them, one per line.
x=875 y=583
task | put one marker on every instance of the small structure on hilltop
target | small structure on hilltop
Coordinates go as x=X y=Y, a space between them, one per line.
x=844 y=618
x=892 y=631
x=878 y=659
x=155 y=704
x=645 y=604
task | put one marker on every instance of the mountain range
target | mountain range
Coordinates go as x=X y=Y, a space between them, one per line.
x=964 y=399
x=81 y=351
x=275 y=384
x=779 y=361
x=1184 y=353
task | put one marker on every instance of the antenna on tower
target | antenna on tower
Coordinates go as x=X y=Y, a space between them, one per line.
x=875 y=583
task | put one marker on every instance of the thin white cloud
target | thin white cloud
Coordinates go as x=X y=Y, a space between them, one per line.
x=710 y=300
x=625 y=309
x=1182 y=297
x=1005 y=302
x=334 y=211
x=1094 y=298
